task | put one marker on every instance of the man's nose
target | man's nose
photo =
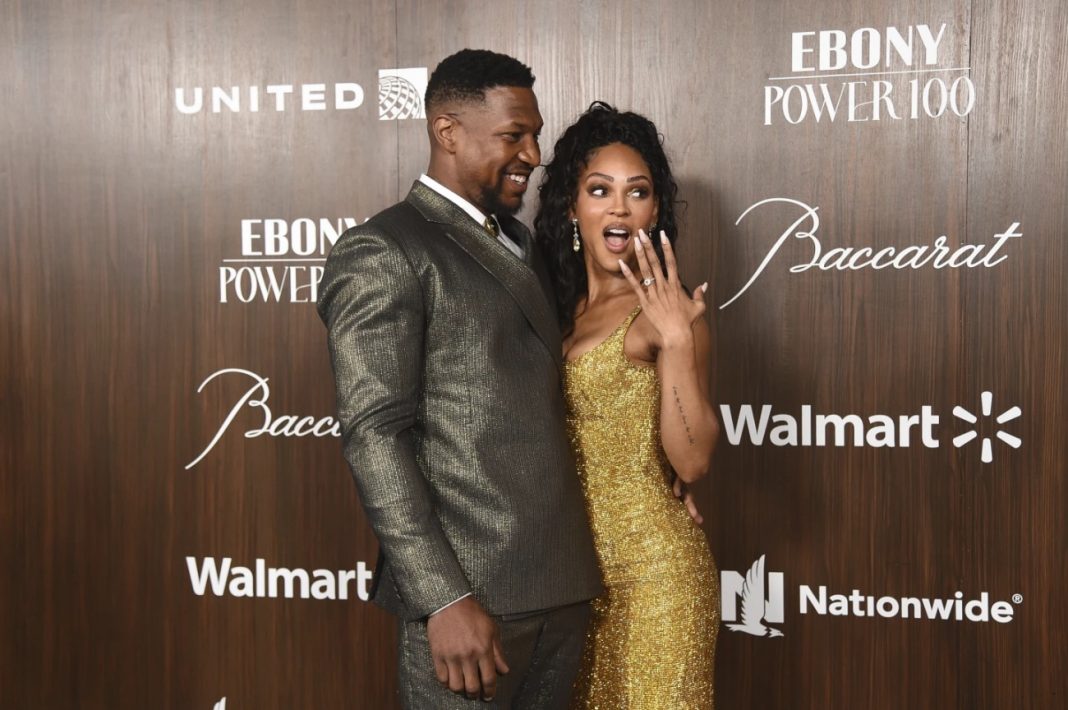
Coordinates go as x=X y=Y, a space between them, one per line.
x=531 y=153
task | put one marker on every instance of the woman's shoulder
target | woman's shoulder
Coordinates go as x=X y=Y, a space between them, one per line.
x=640 y=341
x=594 y=322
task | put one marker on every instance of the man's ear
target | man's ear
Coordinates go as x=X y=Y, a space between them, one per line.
x=444 y=130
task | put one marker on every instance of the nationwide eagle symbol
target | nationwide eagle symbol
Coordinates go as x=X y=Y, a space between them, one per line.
x=753 y=603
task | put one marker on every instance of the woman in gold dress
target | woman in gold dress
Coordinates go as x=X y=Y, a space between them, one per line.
x=640 y=419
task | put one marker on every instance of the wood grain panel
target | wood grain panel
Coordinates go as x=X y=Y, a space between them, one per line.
x=124 y=210
x=862 y=342
x=118 y=212
x=1015 y=343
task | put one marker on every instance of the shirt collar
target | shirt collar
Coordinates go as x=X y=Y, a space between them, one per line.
x=473 y=212
x=452 y=197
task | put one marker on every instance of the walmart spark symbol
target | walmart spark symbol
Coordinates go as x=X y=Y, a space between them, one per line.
x=987 y=400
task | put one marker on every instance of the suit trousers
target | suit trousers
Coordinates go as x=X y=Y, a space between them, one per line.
x=543 y=651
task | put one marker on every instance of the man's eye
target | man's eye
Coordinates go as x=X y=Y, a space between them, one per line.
x=512 y=137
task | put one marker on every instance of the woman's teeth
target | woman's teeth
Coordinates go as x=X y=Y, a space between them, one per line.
x=616 y=239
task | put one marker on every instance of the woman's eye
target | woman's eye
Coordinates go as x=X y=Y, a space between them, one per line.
x=597 y=191
x=639 y=192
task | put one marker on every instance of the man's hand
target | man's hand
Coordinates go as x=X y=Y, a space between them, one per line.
x=466 y=648
x=682 y=492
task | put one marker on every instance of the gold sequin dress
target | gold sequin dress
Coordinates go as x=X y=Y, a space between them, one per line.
x=652 y=641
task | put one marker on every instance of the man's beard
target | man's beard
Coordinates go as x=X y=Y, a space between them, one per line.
x=492 y=203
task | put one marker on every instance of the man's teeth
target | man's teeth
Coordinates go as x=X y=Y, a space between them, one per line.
x=521 y=179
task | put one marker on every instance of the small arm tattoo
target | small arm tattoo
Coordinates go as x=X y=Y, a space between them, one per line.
x=682 y=413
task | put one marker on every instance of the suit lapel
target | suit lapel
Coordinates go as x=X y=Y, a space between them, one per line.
x=515 y=275
x=533 y=259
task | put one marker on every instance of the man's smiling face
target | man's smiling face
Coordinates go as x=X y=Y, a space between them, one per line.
x=497 y=148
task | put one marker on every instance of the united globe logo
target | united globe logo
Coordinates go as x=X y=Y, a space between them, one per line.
x=400 y=93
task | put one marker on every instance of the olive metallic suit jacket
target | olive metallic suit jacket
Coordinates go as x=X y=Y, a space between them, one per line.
x=446 y=356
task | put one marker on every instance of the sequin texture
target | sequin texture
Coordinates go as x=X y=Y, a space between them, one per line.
x=652 y=640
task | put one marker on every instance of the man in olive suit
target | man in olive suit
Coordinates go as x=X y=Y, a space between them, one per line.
x=446 y=354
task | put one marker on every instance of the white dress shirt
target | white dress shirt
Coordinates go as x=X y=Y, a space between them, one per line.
x=472 y=211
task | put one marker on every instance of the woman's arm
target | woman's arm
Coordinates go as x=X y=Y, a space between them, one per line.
x=688 y=425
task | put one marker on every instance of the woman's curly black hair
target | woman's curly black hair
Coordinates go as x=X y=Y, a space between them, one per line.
x=599 y=126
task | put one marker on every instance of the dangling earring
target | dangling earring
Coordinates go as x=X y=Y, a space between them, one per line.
x=576 y=243
x=652 y=230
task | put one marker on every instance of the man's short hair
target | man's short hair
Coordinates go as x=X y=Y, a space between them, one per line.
x=466 y=75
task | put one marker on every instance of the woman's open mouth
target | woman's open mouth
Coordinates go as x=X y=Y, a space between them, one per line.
x=616 y=237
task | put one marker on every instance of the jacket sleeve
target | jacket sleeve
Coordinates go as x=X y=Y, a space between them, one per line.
x=371 y=302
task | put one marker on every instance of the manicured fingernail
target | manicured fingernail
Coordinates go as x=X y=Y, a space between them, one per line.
x=663 y=237
x=622 y=265
x=704 y=286
x=638 y=243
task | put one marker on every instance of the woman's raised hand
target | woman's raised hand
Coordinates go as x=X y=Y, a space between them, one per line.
x=667 y=306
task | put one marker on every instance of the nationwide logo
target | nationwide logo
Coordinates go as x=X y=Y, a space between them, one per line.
x=281 y=260
x=400 y=93
x=223 y=578
x=869 y=74
x=400 y=96
x=764 y=426
x=758 y=610
x=255 y=398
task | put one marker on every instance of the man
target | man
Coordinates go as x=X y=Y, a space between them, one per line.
x=446 y=355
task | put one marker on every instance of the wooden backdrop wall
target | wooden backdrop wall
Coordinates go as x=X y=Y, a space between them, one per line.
x=119 y=211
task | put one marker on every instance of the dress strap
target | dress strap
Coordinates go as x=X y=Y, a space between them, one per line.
x=621 y=332
x=631 y=317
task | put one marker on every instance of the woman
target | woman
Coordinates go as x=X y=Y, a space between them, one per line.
x=638 y=410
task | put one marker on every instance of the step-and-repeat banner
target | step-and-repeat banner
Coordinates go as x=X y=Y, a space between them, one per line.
x=876 y=192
